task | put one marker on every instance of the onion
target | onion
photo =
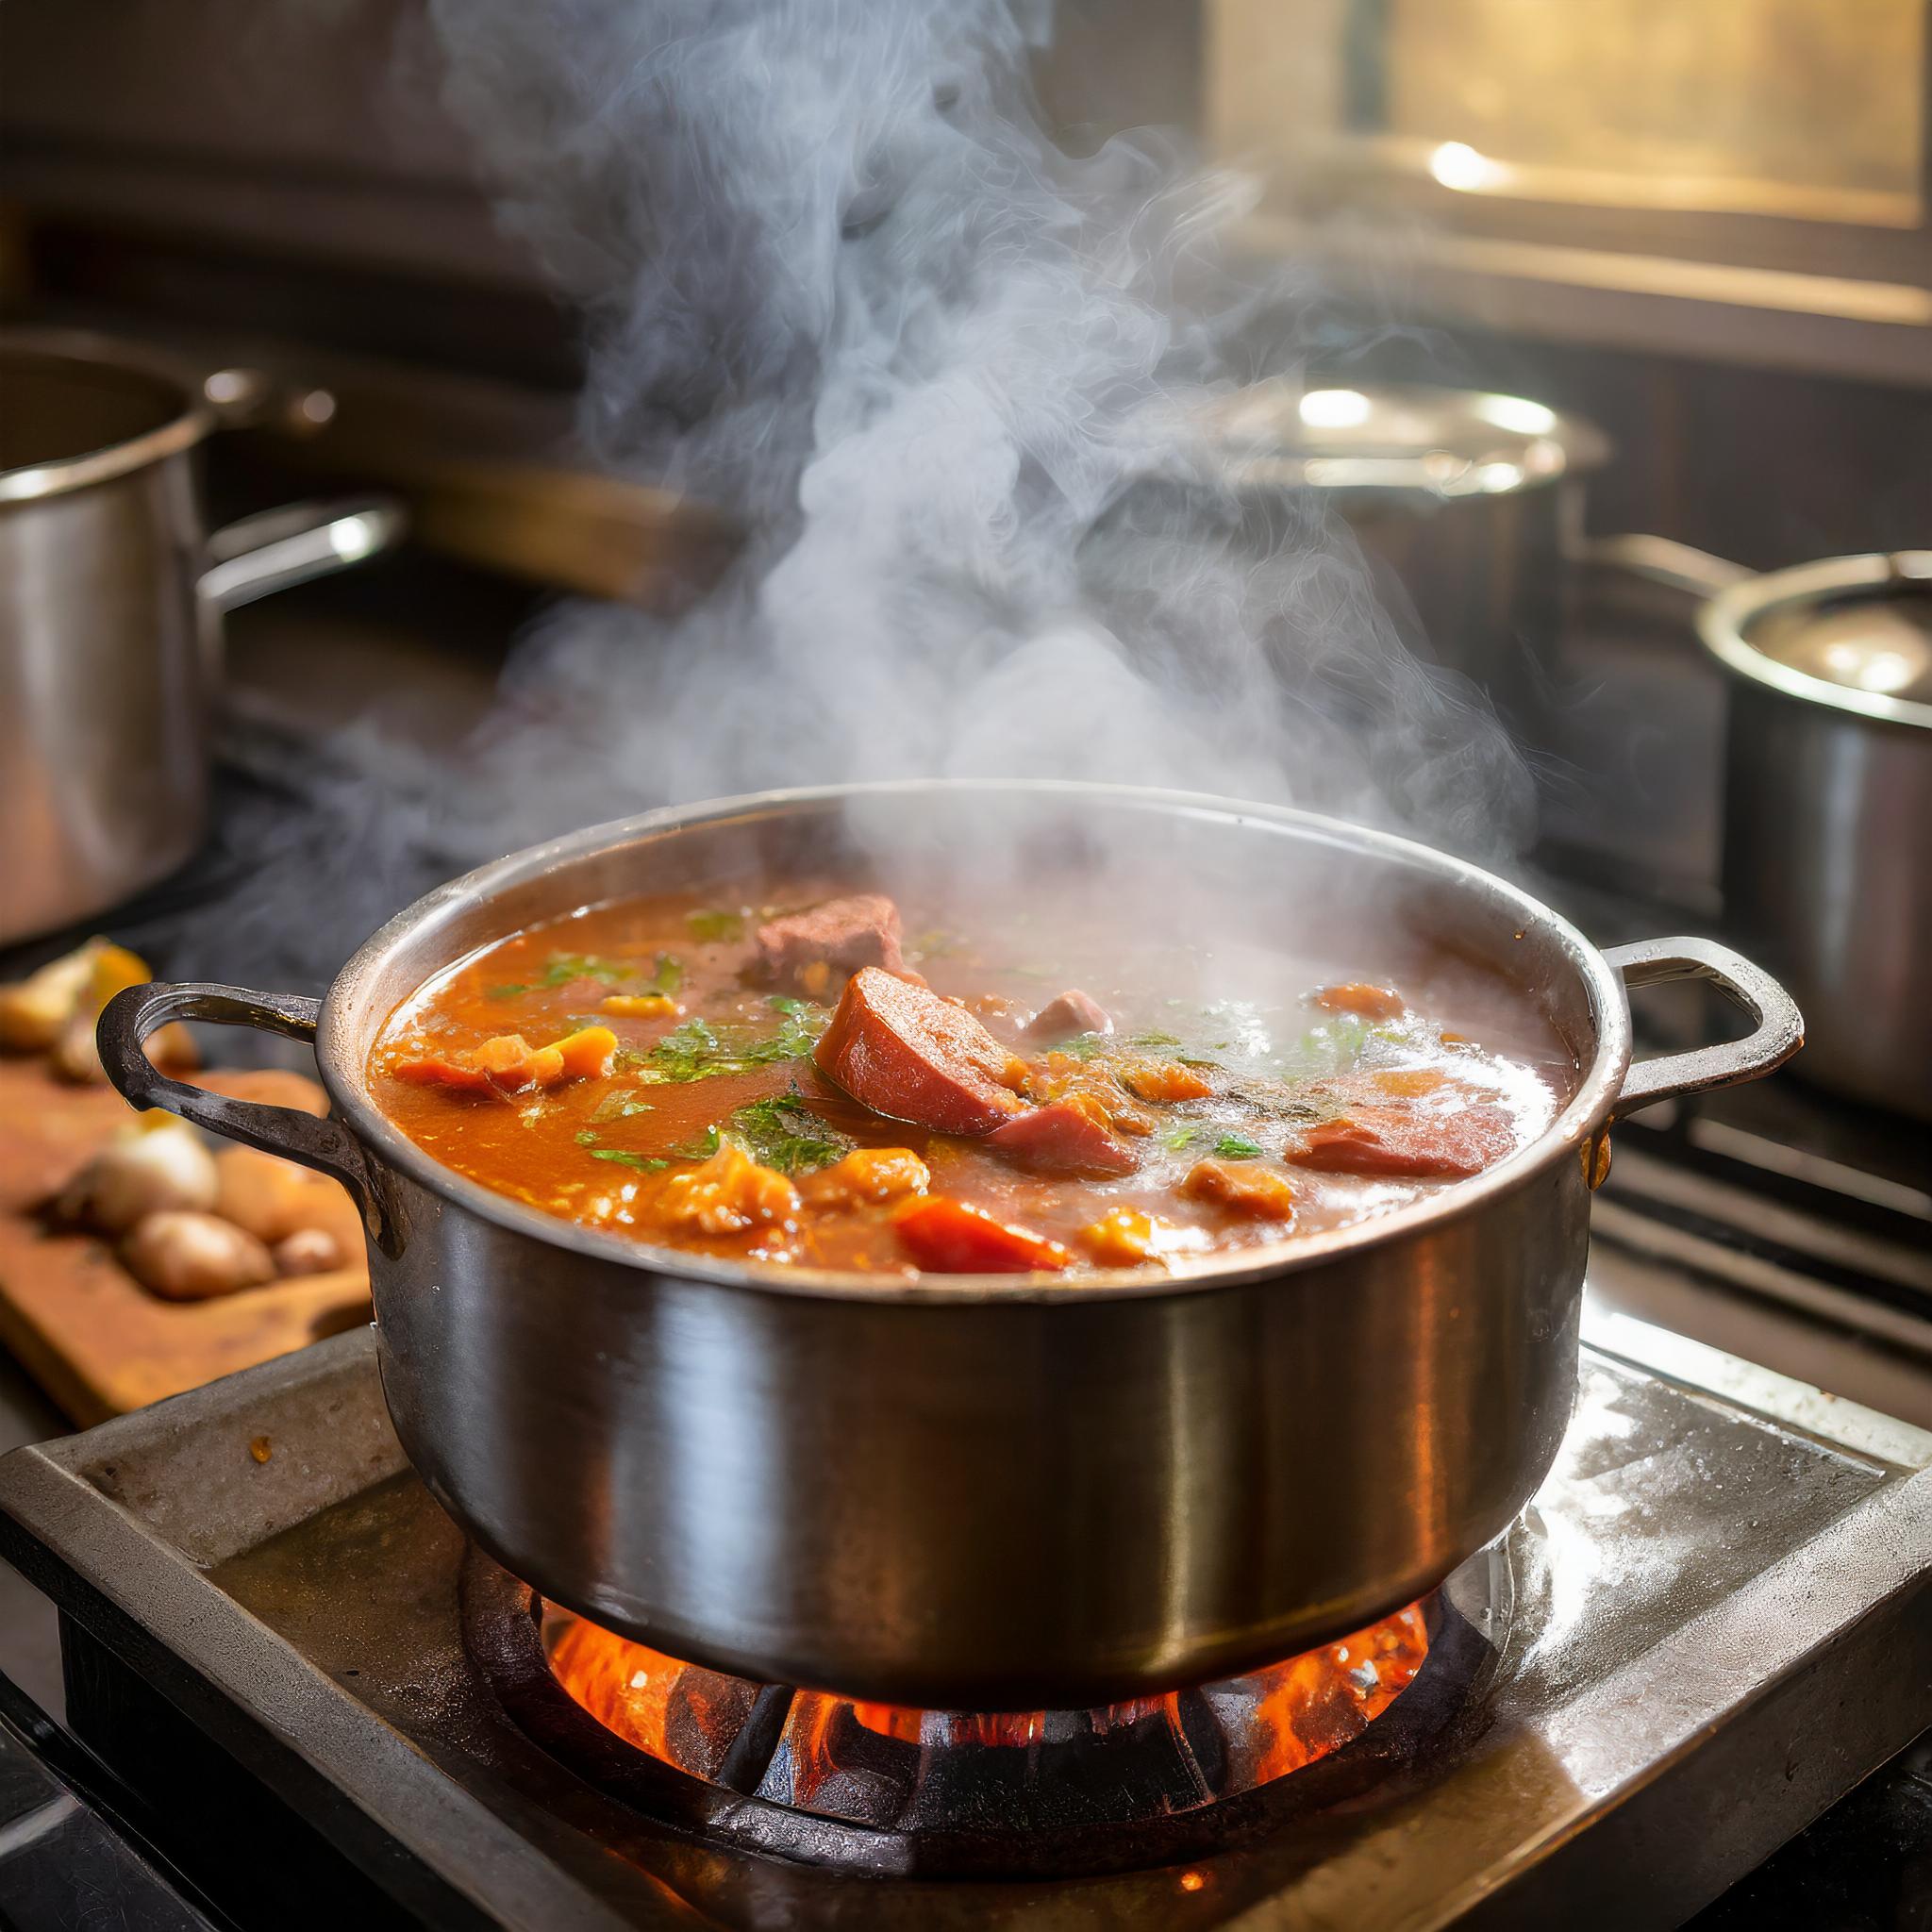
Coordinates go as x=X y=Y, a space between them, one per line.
x=145 y=1172
x=190 y=1257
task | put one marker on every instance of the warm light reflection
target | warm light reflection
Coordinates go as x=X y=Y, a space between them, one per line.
x=1333 y=408
x=1458 y=165
x=1516 y=413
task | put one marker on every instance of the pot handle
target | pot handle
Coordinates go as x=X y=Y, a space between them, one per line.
x=1663 y=560
x=1779 y=1033
x=278 y=548
x=321 y=1143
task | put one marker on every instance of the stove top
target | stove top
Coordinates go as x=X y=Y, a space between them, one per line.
x=1714 y=1619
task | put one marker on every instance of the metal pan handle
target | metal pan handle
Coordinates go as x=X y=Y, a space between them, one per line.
x=324 y=1144
x=1779 y=1033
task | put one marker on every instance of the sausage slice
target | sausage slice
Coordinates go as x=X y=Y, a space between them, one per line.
x=906 y=1053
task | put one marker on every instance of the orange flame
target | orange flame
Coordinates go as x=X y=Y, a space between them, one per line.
x=1278 y=1719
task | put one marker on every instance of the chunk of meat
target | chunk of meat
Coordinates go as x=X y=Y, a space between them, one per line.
x=1063 y=1138
x=946 y=1237
x=726 y=1195
x=1358 y=996
x=1071 y=1012
x=1400 y=1143
x=841 y=935
x=1247 y=1187
x=906 y=1053
x=867 y=1173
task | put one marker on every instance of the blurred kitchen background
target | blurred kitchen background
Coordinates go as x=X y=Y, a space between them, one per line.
x=1707 y=230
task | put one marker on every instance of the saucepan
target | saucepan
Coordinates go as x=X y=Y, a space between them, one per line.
x=1827 y=793
x=111 y=599
x=982 y=1493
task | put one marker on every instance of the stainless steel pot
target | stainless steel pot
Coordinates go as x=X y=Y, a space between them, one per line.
x=1464 y=502
x=981 y=1493
x=1827 y=794
x=110 y=598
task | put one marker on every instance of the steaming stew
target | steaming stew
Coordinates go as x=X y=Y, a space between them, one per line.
x=806 y=1084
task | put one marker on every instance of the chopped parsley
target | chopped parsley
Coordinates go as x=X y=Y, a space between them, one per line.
x=565 y=967
x=784 y=1002
x=1154 y=1039
x=702 y=1148
x=1083 y=1046
x=647 y=1163
x=620 y=1104
x=1237 y=1147
x=669 y=975
x=715 y=927
x=507 y=991
x=586 y=1137
x=1177 y=1137
x=781 y=1131
x=698 y=1049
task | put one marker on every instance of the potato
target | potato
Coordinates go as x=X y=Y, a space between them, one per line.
x=34 y=1010
x=308 y=1251
x=145 y=1171
x=191 y=1258
x=273 y=1198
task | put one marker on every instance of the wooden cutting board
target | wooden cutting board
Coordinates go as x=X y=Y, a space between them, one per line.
x=96 y=1341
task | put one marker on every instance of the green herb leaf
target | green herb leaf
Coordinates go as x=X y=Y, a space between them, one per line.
x=565 y=967
x=783 y=1132
x=620 y=1104
x=669 y=975
x=1177 y=1137
x=1154 y=1039
x=1083 y=1046
x=585 y=1138
x=698 y=1050
x=1237 y=1147
x=702 y=1148
x=715 y=927
x=624 y=1157
x=508 y=990
x=784 y=1002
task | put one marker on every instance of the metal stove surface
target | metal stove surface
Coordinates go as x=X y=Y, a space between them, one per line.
x=1722 y=1620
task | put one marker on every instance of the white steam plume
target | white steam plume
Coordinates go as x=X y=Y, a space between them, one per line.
x=838 y=279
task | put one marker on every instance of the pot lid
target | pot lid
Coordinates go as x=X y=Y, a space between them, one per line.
x=1444 y=443
x=1853 y=632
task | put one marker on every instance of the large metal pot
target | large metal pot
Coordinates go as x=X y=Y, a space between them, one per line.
x=982 y=1493
x=110 y=598
x=1464 y=502
x=1827 y=829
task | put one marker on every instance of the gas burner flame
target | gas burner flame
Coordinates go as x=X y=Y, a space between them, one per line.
x=1270 y=1721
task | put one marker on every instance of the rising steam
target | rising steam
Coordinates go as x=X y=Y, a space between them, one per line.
x=836 y=278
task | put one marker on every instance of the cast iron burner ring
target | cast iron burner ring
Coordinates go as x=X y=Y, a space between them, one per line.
x=801 y=1775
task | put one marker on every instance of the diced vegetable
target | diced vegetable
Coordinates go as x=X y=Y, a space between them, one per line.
x=1164 y=1081
x=951 y=1237
x=1245 y=1185
x=782 y=1132
x=587 y=1052
x=868 y=1174
x=1357 y=996
x=729 y=1194
x=638 y=1005
x=1125 y=1237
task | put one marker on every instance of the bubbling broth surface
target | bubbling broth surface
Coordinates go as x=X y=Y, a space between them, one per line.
x=814 y=1073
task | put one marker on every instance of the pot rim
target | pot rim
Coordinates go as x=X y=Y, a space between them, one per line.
x=1580 y=1117
x=1538 y=445
x=195 y=418
x=1724 y=623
